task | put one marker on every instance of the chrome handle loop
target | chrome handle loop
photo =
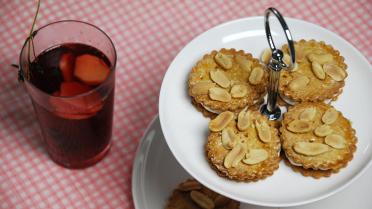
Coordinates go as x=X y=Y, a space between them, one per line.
x=276 y=64
x=277 y=54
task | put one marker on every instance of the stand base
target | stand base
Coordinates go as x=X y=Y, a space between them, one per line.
x=274 y=115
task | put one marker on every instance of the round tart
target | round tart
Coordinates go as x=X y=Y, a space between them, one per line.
x=192 y=195
x=243 y=148
x=227 y=80
x=316 y=136
x=318 y=75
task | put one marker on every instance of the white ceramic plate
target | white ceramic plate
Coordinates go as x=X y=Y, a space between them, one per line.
x=156 y=173
x=185 y=129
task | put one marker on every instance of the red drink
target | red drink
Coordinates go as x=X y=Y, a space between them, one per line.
x=77 y=127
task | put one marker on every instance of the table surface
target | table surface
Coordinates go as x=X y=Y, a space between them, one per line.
x=147 y=36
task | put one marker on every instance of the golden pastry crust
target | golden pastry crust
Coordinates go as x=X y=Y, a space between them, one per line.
x=212 y=115
x=333 y=158
x=236 y=75
x=317 y=89
x=181 y=198
x=201 y=109
x=216 y=152
x=316 y=174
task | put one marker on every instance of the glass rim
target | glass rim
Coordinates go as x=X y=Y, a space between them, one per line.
x=112 y=71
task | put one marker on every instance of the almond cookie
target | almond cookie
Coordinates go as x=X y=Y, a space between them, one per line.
x=317 y=136
x=227 y=80
x=318 y=75
x=192 y=195
x=245 y=147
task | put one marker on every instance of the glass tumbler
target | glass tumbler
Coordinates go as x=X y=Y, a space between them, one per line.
x=76 y=129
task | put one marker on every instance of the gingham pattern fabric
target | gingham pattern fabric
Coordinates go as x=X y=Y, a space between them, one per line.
x=147 y=36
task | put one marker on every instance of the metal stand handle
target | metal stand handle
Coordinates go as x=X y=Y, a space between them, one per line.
x=276 y=64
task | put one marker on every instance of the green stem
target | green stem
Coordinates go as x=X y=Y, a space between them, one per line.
x=30 y=37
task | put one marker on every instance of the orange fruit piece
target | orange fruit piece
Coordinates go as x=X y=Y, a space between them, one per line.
x=75 y=108
x=73 y=88
x=66 y=65
x=90 y=69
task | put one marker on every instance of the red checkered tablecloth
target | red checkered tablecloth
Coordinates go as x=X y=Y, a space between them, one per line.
x=147 y=36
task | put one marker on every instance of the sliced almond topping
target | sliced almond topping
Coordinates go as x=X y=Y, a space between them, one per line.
x=318 y=70
x=233 y=158
x=320 y=58
x=229 y=138
x=221 y=121
x=330 y=116
x=335 y=72
x=221 y=201
x=310 y=148
x=299 y=83
x=300 y=55
x=219 y=94
x=202 y=87
x=309 y=50
x=287 y=59
x=224 y=60
x=307 y=114
x=323 y=130
x=202 y=200
x=255 y=156
x=263 y=130
x=239 y=91
x=256 y=75
x=220 y=78
x=243 y=63
x=295 y=67
x=336 y=141
x=190 y=185
x=244 y=119
x=299 y=126
x=266 y=56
